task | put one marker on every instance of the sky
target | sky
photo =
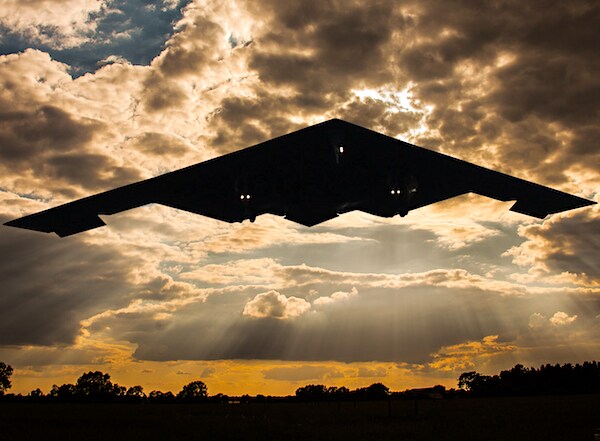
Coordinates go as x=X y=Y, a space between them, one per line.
x=100 y=93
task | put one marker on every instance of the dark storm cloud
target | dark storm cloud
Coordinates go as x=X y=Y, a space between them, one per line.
x=135 y=30
x=49 y=142
x=49 y=285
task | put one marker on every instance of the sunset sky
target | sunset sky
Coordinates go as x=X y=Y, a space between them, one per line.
x=95 y=94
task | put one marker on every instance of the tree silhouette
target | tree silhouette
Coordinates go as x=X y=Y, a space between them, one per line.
x=66 y=392
x=96 y=386
x=194 y=391
x=467 y=379
x=135 y=393
x=338 y=393
x=312 y=392
x=378 y=391
x=157 y=396
x=36 y=393
x=5 y=373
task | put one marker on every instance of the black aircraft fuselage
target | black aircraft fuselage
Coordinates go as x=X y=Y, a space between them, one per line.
x=310 y=176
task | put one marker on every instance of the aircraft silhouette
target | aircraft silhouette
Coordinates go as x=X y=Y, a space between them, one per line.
x=309 y=176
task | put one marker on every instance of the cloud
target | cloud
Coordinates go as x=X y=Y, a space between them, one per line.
x=563 y=244
x=366 y=372
x=272 y=304
x=52 y=23
x=42 y=145
x=559 y=319
x=562 y=318
x=299 y=373
x=474 y=65
x=335 y=297
x=208 y=372
x=86 y=33
x=47 y=289
x=537 y=320
x=465 y=356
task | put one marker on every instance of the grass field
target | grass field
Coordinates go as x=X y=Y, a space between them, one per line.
x=569 y=418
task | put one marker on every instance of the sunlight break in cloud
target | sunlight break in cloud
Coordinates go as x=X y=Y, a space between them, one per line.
x=59 y=24
x=272 y=304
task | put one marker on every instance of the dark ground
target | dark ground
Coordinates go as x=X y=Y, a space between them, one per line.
x=572 y=418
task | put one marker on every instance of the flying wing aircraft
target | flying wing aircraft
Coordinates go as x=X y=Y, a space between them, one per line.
x=309 y=176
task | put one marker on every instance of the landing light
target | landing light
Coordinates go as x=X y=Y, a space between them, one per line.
x=245 y=196
x=341 y=149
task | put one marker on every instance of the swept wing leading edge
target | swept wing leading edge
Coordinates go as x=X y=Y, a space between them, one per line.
x=309 y=176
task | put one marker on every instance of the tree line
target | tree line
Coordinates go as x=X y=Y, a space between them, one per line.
x=97 y=387
x=548 y=379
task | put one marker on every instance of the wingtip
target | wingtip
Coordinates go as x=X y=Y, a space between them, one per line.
x=10 y=223
x=18 y=223
x=27 y=223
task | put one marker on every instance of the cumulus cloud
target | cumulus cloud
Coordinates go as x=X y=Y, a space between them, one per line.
x=562 y=318
x=335 y=297
x=272 y=304
x=559 y=319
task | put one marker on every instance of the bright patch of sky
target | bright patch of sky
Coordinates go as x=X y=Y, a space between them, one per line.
x=400 y=101
x=133 y=31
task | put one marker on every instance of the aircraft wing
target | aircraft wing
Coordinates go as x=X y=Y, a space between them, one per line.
x=309 y=176
x=449 y=176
